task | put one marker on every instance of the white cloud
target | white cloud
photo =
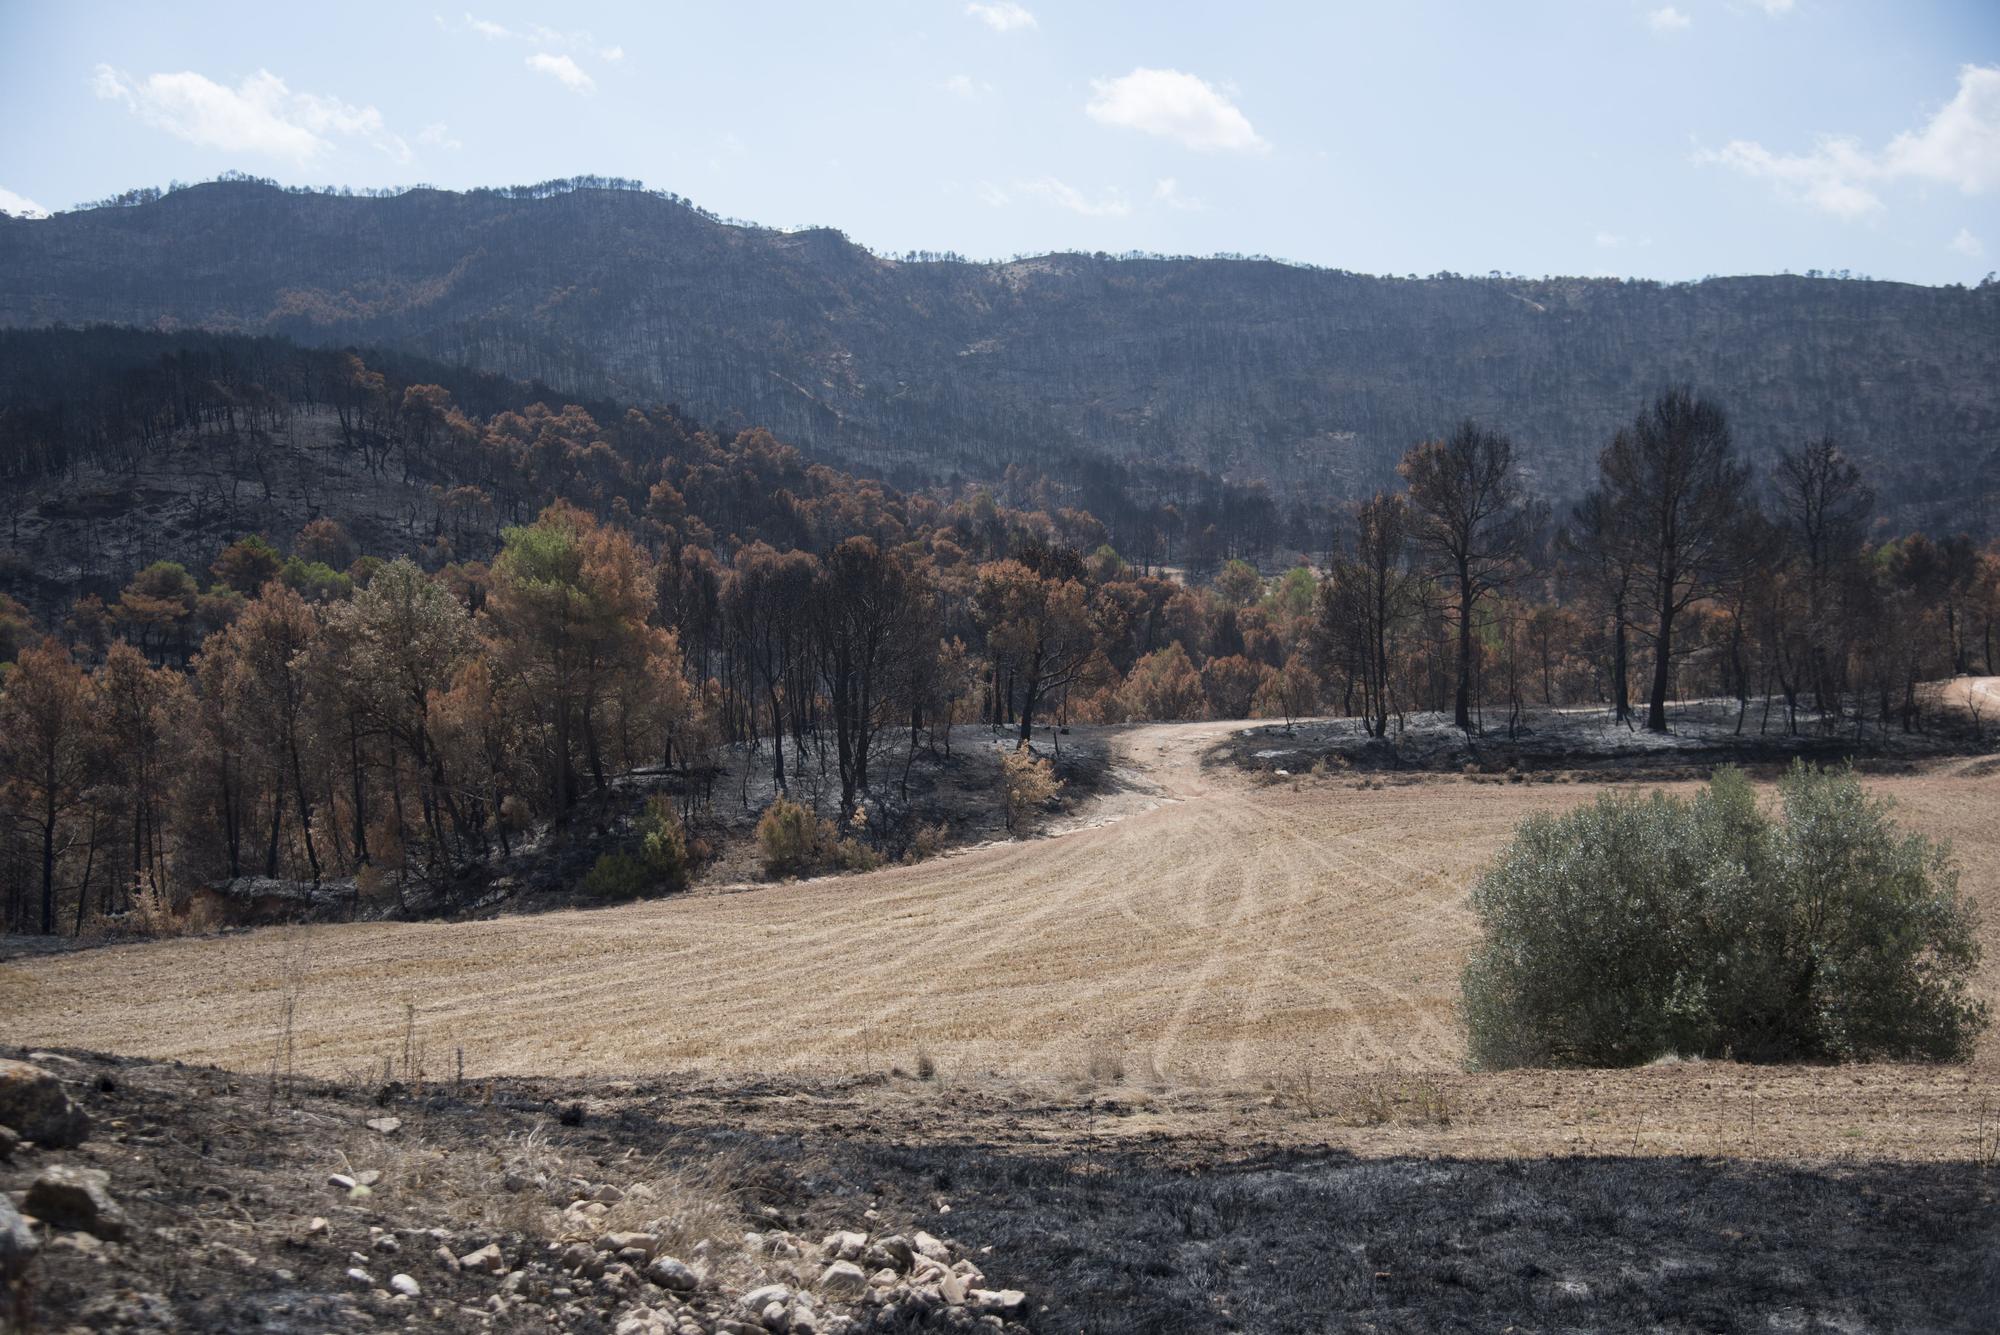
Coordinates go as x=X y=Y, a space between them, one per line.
x=1957 y=147
x=563 y=70
x=1051 y=191
x=1774 y=7
x=438 y=135
x=964 y=85
x=1667 y=19
x=20 y=205
x=992 y=196
x=1002 y=15
x=1965 y=243
x=260 y=115
x=1960 y=146
x=1175 y=106
x=539 y=34
x=1828 y=178
x=1167 y=191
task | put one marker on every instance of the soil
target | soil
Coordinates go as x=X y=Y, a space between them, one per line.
x=941 y=799
x=1107 y=1221
x=1197 y=929
x=1190 y=1063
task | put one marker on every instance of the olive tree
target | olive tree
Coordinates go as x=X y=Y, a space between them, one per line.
x=1637 y=927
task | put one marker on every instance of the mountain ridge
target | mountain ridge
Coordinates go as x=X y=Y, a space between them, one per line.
x=1314 y=380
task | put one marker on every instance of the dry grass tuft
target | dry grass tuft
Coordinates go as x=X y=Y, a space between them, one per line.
x=683 y=1204
x=1381 y=1101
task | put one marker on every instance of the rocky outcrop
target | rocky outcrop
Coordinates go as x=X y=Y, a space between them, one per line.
x=68 y=1197
x=34 y=1105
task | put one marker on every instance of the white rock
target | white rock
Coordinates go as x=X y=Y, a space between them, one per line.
x=361 y=1277
x=642 y=1321
x=1004 y=1301
x=406 y=1286
x=618 y=1242
x=758 y=1299
x=843 y=1280
x=845 y=1245
x=670 y=1273
x=927 y=1245
x=487 y=1258
x=388 y=1126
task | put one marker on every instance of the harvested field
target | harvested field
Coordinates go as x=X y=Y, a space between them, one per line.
x=1221 y=947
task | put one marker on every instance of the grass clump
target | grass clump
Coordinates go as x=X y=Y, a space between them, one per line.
x=1636 y=927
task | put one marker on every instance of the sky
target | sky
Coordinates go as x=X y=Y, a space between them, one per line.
x=1596 y=137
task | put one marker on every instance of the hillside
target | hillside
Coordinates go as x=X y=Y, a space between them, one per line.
x=1315 y=380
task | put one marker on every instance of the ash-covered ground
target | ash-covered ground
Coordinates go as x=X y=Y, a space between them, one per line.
x=1592 y=742
x=233 y=1218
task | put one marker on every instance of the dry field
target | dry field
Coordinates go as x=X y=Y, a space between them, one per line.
x=1228 y=955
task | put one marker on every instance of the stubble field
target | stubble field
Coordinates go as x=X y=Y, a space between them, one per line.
x=1253 y=960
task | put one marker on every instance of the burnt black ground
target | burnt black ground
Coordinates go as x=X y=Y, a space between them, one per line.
x=1588 y=744
x=1169 y=1234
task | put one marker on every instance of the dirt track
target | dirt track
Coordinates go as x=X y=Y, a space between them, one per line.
x=1206 y=934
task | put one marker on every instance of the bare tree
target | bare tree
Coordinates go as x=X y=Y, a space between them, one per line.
x=1602 y=540
x=1823 y=512
x=1366 y=597
x=1471 y=516
x=1673 y=474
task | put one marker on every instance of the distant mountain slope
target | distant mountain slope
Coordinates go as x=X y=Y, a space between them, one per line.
x=1313 y=379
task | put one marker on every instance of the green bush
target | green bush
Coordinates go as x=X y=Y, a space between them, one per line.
x=1639 y=927
x=790 y=837
x=616 y=876
x=663 y=845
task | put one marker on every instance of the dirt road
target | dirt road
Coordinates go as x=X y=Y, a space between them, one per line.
x=1196 y=930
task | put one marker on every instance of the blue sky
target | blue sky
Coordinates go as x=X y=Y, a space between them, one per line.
x=1572 y=136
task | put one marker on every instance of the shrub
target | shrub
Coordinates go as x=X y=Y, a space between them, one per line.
x=1163 y=685
x=663 y=845
x=789 y=836
x=616 y=876
x=849 y=854
x=1636 y=927
x=1028 y=782
x=928 y=842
